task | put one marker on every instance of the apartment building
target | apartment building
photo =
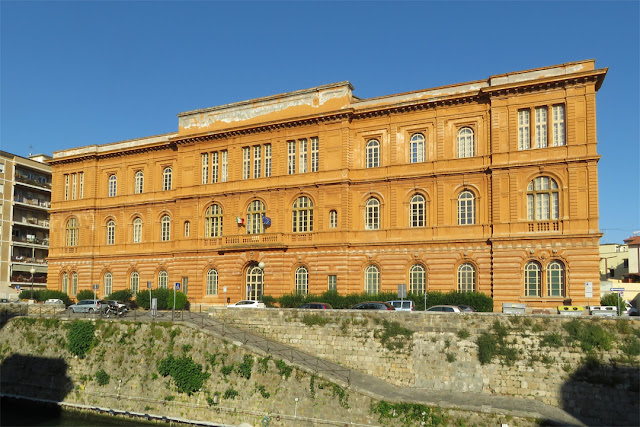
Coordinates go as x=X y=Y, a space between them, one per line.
x=486 y=186
x=25 y=197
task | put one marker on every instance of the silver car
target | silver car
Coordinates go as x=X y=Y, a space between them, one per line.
x=86 y=306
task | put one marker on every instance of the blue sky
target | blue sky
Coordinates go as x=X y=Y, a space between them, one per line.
x=92 y=72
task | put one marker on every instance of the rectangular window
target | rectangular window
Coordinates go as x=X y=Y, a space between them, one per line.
x=1 y=192
x=257 y=161
x=303 y=156
x=291 y=157
x=66 y=186
x=214 y=167
x=315 y=149
x=81 y=188
x=225 y=166
x=541 y=127
x=246 y=162
x=333 y=283
x=205 y=167
x=1 y=167
x=185 y=285
x=267 y=160
x=524 y=134
x=558 y=125
x=74 y=185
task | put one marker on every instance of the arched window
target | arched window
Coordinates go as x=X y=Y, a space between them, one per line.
x=213 y=221
x=417 y=148
x=555 y=279
x=302 y=281
x=466 y=208
x=74 y=283
x=113 y=181
x=466 y=278
x=212 y=282
x=417 y=279
x=372 y=214
x=139 y=182
x=166 y=179
x=532 y=279
x=333 y=219
x=165 y=228
x=137 y=230
x=372 y=280
x=255 y=212
x=373 y=153
x=466 y=145
x=163 y=280
x=65 y=282
x=542 y=199
x=134 y=282
x=302 y=215
x=72 y=232
x=111 y=232
x=254 y=283
x=107 y=284
x=417 y=207
x=187 y=228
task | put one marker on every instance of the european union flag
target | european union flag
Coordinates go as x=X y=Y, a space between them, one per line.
x=266 y=220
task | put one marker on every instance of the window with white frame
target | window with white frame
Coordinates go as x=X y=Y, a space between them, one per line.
x=113 y=181
x=107 y=284
x=302 y=281
x=137 y=230
x=166 y=179
x=372 y=214
x=542 y=199
x=558 y=135
x=246 y=162
x=291 y=157
x=302 y=215
x=417 y=209
x=65 y=282
x=372 y=153
x=187 y=228
x=134 y=282
x=332 y=283
x=417 y=279
x=213 y=221
x=214 y=166
x=163 y=280
x=138 y=182
x=72 y=232
x=372 y=280
x=185 y=285
x=212 y=282
x=333 y=219
x=66 y=186
x=257 y=161
x=524 y=130
x=315 y=152
x=302 y=165
x=267 y=160
x=548 y=126
x=74 y=185
x=111 y=232
x=466 y=278
x=205 y=167
x=81 y=187
x=417 y=148
x=466 y=208
x=165 y=228
x=255 y=212
x=540 y=133
x=555 y=279
x=549 y=281
x=532 y=279
x=74 y=283
x=466 y=144
x=224 y=166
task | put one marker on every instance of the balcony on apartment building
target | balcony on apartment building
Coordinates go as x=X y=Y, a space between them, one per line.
x=33 y=180
x=31 y=201
x=33 y=222
x=31 y=241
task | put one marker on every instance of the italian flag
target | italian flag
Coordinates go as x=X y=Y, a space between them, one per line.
x=239 y=220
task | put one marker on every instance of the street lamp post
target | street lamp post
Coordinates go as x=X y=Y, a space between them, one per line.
x=32 y=271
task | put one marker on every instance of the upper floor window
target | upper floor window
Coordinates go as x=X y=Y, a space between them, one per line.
x=138 y=182
x=137 y=230
x=417 y=208
x=107 y=284
x=267 y=160
x=466 y=278
x=205 y=168
x=255 y=213
x=66 y=186
x=466 y=208
x=417 y=279
x=466 y=145
x=134 y=282
x=315 y=153
x=303 y=156
x=72 y=232
x=187 y=228
x=246 y=162
x=74 y=185
x=302 y=215
x=219 y=167
x=291 y=157
x=372 y=280
x=372 y=214
x=542 y=199
x=257 y=161
x=332 y=283
x=333 y=219
x=298 y=151
x=112 y=185
x=213 y=221
x=541 y=134
x=165 y=228
x=212 y=282
x=81 y=185
x=417 y=148
x=163 y=279
x=302 y=281
x=111 y=232
x=166 y=179
x=373 y=153
x=224 y=166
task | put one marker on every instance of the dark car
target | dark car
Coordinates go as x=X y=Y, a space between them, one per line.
x=373 y=305
x=317 y=305
x=466 y=308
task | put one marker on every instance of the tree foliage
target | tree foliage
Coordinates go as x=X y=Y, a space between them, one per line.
x=80 y=337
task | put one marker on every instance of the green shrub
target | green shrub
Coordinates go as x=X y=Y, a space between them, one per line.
x=263 y=391
x=86 y=294
x=409 y=414
x=589 y=335
x=230 y=393
x=124 y=295
x=394 y=336
x=80 y=337
x=487 y=347
x=553 y=339
x=631 y=346
x=284 y=369
x=463 y=334
x=45 y=294
x=315 y=319
x=165 y=299
x=187 y=375
x=244 y=369
x=102 y=377
x=611 y=300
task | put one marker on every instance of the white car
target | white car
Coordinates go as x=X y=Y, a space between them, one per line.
x=444 y=309
x=247 y=304
x=54 y=301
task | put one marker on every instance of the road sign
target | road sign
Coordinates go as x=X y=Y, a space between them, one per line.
x=96 y=287
x=17 y=287
x=588 y=289
x=148 y=284
x=617 y=289
x=177 y=286
x=402 y=291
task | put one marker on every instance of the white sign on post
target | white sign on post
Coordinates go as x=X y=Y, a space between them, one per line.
x=588 y=289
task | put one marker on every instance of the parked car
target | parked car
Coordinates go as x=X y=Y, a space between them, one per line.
x=119 y=305
x=373 y=305
x=86 y=306
x=317 y=305
x=444 y=309
x=402 y=305
x=466 y=309
x=247 y=304
x=54 y=301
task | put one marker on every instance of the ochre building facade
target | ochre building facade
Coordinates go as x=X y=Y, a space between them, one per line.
x=488 y=186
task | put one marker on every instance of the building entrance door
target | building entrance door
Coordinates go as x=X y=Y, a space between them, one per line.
x=254 y=283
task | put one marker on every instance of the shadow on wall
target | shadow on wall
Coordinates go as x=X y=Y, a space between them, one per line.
x=33 y=378
x=11 y=310
x=600 y=395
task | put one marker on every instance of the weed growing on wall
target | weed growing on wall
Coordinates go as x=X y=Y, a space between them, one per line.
x=343 y=396
x=284 y=369
x=80 y=337
x=263 y=391
x=494 y=343
x=588 y=335
x=553 y=339
x=409 y=414
x=187 y=375
x=393 y=335
x=244 y=369
x=263 y=364
x=102 y=377
x=463 y=333
x=315 y=319
x=230 y=393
